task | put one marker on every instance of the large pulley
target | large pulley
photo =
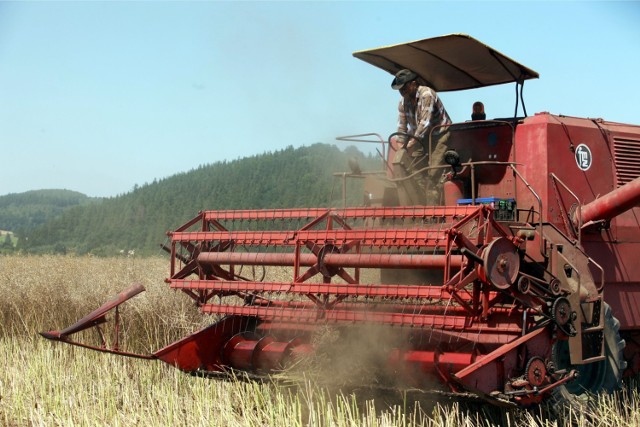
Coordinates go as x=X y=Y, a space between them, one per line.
x=500 y=263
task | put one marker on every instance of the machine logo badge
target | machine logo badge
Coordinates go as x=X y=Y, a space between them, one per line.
x=583 y=157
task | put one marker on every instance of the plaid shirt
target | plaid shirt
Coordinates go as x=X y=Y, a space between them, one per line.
x=418 y=119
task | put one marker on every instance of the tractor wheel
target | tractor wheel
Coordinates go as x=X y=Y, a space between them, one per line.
x=593 y=378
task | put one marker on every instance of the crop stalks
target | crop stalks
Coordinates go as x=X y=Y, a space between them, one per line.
x=48 y=384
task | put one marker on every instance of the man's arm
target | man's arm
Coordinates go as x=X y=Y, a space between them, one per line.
x=402 y=123
x=426 y=105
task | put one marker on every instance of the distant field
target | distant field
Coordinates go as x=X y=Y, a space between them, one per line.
x=46 y=383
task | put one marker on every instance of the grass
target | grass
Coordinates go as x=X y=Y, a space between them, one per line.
x=51 y=384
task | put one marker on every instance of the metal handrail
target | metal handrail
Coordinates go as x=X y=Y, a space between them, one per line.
x=601 y=271
x=542 y=251
x=579 y=230
x=358 y=138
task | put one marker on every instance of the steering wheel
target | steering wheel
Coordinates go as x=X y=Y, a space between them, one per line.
x=407 y=136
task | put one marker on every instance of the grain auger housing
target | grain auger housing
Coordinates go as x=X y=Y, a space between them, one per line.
x=521 y=283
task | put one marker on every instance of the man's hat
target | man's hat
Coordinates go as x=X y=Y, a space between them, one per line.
x=402 y=77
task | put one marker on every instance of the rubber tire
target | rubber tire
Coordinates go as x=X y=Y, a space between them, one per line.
x=594 y=377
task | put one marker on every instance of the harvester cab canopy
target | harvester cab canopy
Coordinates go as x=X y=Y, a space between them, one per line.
x=451 y=62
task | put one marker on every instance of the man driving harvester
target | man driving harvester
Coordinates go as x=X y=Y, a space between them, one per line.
x=419 y=111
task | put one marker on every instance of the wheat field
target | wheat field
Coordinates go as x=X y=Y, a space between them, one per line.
x=50 y=384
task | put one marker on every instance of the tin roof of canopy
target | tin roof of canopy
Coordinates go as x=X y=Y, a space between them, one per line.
x=451 y=62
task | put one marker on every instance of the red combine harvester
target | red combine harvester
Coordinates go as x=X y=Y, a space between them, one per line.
x=523 y=283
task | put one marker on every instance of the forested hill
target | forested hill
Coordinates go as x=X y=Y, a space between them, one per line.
x=139 y=220
x=33 y=208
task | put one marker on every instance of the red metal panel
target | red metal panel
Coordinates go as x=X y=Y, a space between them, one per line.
x=546 y=143
x=203 y=349
x=624 y=299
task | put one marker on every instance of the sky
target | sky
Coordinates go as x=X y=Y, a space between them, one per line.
x=101 y=96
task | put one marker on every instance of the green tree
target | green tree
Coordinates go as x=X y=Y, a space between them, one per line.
x=138 y=220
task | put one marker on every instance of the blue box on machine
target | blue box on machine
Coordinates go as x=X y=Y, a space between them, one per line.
x=505 y=209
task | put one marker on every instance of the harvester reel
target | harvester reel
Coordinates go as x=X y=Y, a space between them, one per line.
x=501 y=263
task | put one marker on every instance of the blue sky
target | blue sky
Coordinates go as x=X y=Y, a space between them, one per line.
x=97 y=97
